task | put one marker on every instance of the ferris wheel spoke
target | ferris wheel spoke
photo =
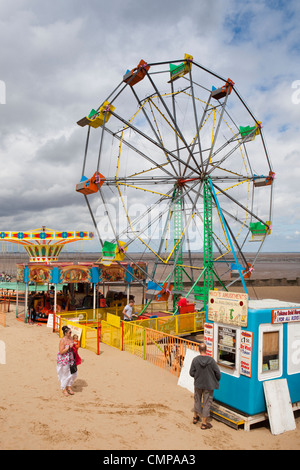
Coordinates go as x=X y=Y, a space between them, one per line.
x=174 y=122
x=138 y=219
x=175 y=118
x=139 y=152
x=86 y=150
x=101 y=142
x=158 y=138
x=153 y=220
x=242 y=223
x=140 y=188
x=215 y=237
x=209 y=71
x=223 y=159
x=198 y=133
x=153 y=105
x=164 y=233
x=235 y=242
x=195 y=117
x=148 y=170
x=240 y=204
x=93 y=219
x=152 y=141
x=216 y=165
x=217 y=131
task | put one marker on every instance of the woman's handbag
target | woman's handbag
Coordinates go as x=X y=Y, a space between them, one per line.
x=73 y=368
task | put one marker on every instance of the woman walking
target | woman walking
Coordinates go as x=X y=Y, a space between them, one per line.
x=65 y=359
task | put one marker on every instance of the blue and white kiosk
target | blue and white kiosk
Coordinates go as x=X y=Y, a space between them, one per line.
x=252 y=341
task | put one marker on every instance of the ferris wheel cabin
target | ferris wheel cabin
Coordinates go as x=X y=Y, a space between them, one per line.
x=90 y=185
x=137 y=74
x=218 y=93
x=97 y=118
x=259 y=230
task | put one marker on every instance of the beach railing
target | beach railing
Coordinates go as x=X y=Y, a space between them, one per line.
x=154 y=339
x=5 y=303
x=89 y=316
x=133 y=339
x=175 y=324
x=89 y=335
x=139 y=338
x=161 y=349
x=111 y=334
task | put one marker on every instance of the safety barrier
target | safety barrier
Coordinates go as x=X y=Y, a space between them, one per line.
x=166 y=351
x=92 y=339
x=133 y=339
x=90 y=316
x=111 y=334
x=5 y=304
x=175 y=324
x=161 y=349
x=90 y=335
x=153 y=340
x=4 y=293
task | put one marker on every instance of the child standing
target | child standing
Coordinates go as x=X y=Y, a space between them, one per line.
x=75 y=348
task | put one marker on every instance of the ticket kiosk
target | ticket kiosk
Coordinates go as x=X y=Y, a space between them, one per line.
x=252 y=341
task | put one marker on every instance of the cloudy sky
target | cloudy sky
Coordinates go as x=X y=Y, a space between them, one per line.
x=60 y=59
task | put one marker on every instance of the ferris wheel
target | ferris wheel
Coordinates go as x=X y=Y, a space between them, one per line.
x=175 y=166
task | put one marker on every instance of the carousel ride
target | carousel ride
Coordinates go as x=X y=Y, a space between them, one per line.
x=175 y=169
x=44 y=244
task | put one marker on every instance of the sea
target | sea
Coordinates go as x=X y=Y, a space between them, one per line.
x=267 y=265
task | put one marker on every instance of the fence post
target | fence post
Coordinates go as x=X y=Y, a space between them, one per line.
x=26 y=302
x=144 y=343
x=98 y=339
x=17 y=300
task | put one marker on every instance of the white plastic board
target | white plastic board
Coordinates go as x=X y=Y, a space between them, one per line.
x=185 y=380
x=279 y=406
x=50 y=320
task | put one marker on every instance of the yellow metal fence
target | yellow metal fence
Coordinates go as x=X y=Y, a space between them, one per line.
x=155 y=340
x=101 y=313
x=161 y=349
x=111 y=334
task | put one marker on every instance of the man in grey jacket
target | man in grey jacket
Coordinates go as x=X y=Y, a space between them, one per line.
x=206 y=375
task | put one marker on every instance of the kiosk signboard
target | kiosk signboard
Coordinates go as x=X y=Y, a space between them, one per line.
x=286 y=315
x=209 y=338
x=228 y=307
x=246 y=353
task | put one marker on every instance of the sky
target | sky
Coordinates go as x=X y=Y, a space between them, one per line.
x=60 y=59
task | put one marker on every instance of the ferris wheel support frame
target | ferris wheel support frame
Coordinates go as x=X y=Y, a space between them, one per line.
x=228 y=236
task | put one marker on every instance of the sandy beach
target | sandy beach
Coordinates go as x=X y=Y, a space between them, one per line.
x=121 y=402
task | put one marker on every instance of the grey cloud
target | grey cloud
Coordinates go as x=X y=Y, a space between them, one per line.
x=60 y=59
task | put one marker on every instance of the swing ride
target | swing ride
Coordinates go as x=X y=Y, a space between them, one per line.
x=179 y=167
x=44 y=244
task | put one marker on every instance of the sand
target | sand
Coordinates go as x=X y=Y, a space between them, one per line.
x=121 y=403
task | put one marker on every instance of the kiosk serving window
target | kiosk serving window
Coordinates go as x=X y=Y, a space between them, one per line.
x=270 y=351
x=226 y=351
x=270 y=356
